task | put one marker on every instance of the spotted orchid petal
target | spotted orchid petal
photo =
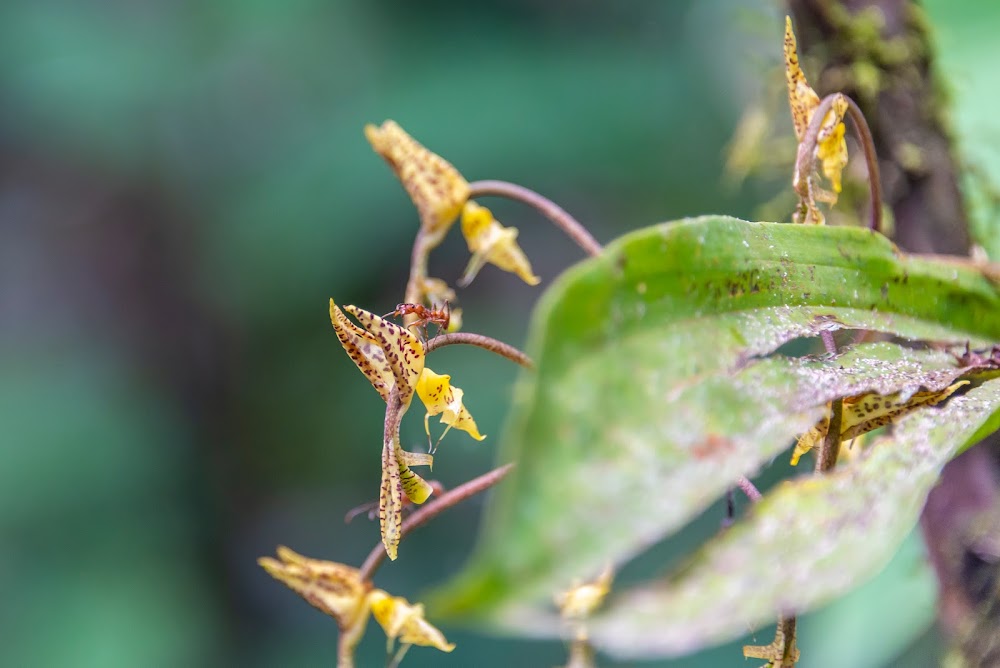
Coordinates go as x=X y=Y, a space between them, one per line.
x=435 y=186
x=396 y=353
x=416 y=489
x=802 y=99
x=866 y=412
x=871 y=411
x=442 y=398
x=490 y=242
x=334 y=588
x=399 y=619
x=365 y=350
x=390 y=499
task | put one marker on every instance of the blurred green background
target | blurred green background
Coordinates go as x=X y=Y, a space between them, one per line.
x=183 y=185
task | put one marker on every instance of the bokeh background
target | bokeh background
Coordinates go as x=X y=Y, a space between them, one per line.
x=184 y=185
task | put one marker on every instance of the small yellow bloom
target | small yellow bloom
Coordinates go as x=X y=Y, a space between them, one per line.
x=581 y=599
x=435 y=186
x=334 y=588
x=491 y=242
x=831 y=147
x=442 y=398
x=401 y=620
x=863 y=413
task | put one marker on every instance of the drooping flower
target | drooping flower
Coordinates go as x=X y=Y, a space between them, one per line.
x=490 y=242
x=831 y=146
x=334 y=588
x=863 y=413
x=435 y=186
x=442 y=398
x=406 y=622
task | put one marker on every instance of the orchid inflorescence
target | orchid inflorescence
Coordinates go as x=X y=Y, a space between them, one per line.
x=393 y=358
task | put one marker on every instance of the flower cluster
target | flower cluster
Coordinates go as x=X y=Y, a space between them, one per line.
x=393 y=358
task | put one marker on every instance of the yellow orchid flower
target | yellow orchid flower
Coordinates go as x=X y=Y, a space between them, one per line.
x=581 y=599
x=831 y=147
x=491 y=242
x=435 y=186
x=442 y=398
x=401 y=620
x=390 y=356
x=865 y=412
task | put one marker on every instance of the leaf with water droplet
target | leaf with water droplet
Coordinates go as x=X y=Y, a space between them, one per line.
x=633 y=425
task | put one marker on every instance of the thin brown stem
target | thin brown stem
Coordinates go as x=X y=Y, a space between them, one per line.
x=830 y=450
x=414 y=294
x=749 y=489
x=565 y=222
x=481 y=341
x=807 y=153
x=782 y=652
x=828 y=342
x=433 y=509
x=864 y=134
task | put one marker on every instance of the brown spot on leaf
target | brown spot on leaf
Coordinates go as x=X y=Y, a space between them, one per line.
x=713 y=447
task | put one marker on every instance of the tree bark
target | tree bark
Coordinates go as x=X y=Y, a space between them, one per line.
x=879 y=53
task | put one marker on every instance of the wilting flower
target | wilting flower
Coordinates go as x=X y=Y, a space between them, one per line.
x=442 y=398
x=401 y=620
x=490 y=242
x=435 y=186
x=338 y=590
x=334 y=588
x=865 y=412
x=831 y=147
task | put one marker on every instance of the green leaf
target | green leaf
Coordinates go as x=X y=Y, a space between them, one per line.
x=808 y=541
x=653 y=393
